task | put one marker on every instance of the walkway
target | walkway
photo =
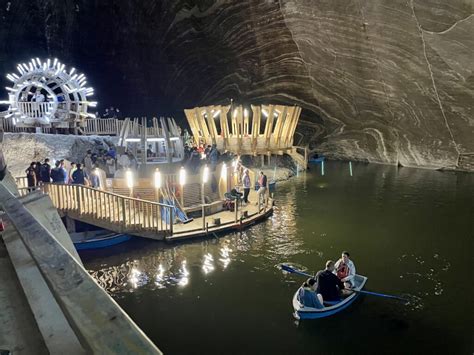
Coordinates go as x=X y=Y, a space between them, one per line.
x=49 y=302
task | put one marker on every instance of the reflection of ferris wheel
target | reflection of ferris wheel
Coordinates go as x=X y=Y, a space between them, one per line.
x=44 y=93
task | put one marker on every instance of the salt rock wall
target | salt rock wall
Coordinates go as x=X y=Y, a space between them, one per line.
x=386 y=81
x=20 y=149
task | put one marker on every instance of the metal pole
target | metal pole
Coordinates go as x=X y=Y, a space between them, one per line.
x=158 y=200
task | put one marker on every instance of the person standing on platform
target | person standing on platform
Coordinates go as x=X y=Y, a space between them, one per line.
x=56 y=175
x=79 y=176
x=124 y=161
x=262 y=190
x=38 y=172
x=88 y=162
x=213 y=157
x=247 y=184
x=110 y=166
x=71 y=171
x=31 y=175
x=38 y=96
x=45 y=172
x=94 y=177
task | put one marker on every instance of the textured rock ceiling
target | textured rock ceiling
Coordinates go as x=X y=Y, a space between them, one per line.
x=381 y=80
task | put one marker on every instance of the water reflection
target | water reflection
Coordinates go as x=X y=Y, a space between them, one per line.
x=208 y=263
x=225 y=256
x=160 y=277
x=183 y=278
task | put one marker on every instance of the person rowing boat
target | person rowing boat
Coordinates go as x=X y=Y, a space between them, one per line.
x=328 y=284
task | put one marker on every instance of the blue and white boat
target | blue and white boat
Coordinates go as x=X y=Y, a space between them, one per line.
x=100 y=241
x=302 y=312
x=316 y=160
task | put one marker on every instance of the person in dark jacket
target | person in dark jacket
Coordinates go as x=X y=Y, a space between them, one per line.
x=56 y=175
x=79 y=176
x=38 y=172
x=63 y=172
x=31 y=175
x=329 y=285
x=45 y=171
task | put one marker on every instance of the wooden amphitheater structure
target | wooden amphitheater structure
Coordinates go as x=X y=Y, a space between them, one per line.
x=264 y=130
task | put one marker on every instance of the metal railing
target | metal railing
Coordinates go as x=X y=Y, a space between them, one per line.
x=106 y=126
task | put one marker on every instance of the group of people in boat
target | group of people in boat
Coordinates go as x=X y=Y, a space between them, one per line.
x=328 y=284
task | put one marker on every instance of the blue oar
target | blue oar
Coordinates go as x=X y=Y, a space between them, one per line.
x=295 y=271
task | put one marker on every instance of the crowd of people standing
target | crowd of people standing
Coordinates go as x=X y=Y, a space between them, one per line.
x=86 y=172
x=195 y=155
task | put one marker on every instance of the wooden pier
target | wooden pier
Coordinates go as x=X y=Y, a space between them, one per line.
x=142 y=218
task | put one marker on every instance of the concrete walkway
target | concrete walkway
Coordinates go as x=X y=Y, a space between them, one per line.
x=18 y=331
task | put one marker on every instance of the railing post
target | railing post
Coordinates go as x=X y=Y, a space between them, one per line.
x=124 y=215
x=171 y=220
x=78 y=196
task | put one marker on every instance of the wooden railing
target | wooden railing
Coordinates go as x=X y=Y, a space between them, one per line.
x=105 y=126
x=123 y=214
x=35 y=109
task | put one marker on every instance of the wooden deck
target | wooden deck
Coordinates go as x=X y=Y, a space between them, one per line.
x=142 y=218
x=244 y=217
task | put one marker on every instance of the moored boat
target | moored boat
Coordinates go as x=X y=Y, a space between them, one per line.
x=316 y=159
x=102 y=241
x=302 y=312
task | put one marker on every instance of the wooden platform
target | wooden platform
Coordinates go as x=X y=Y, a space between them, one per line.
x=229 y=221
x=122 y=214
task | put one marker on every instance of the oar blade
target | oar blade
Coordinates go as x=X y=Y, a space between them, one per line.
x=288 y=268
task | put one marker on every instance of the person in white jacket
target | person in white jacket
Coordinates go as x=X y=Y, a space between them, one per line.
x=345 y=270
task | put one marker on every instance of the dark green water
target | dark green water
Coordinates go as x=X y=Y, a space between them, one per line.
x=410 y=231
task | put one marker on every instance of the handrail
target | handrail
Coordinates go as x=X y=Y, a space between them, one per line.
x=128 y=213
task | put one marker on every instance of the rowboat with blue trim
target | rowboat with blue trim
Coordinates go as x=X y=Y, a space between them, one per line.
x=316 y=160
x=302 y=312
x=102 y=241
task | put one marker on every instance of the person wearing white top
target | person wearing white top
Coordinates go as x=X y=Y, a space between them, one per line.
x=124 y=161
x=246 y=184
x=38 y=97
x=345 y=270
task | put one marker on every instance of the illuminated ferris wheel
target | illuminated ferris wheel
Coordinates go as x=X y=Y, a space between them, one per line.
x=46 y=94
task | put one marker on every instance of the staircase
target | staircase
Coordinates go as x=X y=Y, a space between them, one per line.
x=300 y=159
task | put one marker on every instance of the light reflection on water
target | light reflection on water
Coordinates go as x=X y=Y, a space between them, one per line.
x=397 y=224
